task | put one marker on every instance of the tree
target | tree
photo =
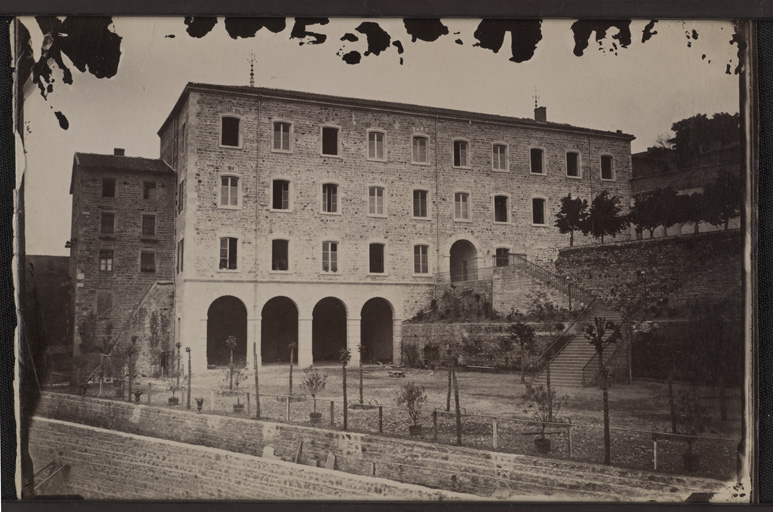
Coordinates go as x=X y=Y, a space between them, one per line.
x=572 y=217
x=230 y=342
x=292 y=347
x=604 y=217
x=723 y=199
x=523 y=336
x=344 y=356
x=695 y=134
x=658 y=207
x=601 y=333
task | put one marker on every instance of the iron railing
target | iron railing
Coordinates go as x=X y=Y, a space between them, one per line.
x=563 y=339
x=575 y=292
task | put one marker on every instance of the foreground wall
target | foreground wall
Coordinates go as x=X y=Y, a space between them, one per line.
x=458 y=469
x=114 y=465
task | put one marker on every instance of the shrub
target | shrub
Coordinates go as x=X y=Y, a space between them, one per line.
x=413 y=398
x=411 y=355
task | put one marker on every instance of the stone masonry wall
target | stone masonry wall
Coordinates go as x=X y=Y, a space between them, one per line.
x=452 y=468
x=112 y=465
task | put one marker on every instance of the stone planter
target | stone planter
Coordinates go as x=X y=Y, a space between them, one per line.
x=414 y=430
x=691 y=461
x=542 y=444
x=238 y=407
x=174 y=400
x=315 y=418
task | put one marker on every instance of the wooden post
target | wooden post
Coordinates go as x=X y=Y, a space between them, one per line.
x=188 y=400
x=211 y=400
x=569 y=436
x=458 y=409
x=434 y=425
x=248 y=405
x=332 y=413
x=257 y=388
x=380 y=419
x=494 y=437
x=655 y=453
x=288 y=408
x=150 y=388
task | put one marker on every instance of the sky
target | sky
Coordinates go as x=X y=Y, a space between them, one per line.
x=640 y=89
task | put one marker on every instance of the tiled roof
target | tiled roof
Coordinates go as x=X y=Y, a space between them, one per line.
x=389 y=105
x=124 y=163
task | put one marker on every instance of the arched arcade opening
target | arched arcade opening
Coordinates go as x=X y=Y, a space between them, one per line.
x=464 y=261
x=328 y=329
x=376 y=331
x=279 y=328
x=226 y=316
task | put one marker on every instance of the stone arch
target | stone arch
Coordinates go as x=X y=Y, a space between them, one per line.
x=376 y=335
x=463 y=264
x=328 y=329
x=279 y=328
x=226 y=316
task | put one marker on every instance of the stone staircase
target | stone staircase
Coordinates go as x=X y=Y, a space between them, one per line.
x=566 y=368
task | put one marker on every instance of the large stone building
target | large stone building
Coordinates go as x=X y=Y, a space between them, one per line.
x=328 y=221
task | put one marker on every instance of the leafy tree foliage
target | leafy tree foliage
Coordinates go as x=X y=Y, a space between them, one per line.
x=658 y=207
x=605 y=217
x=572 y=217
x=723 y=199
x=523 y=336
x=692 y=135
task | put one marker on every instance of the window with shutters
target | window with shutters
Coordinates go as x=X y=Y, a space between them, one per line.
x=376 y=145
x=330 y=198
x=420 y=259
x=376 y=201
x=420 y=204
x=330 y=257
x=228 y=248
x=280 y=195
x=461 y=206
x=229 y=192
x=499 y=157
x=282 y=139
x=420 y=149
x=461 y=153
x=148 y=224
x=107 y=223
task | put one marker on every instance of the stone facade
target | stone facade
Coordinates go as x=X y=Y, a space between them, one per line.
x=279 y=270
x=106 y=266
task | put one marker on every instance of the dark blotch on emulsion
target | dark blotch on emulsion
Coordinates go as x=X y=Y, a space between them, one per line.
x=200 y=26
x=695 y=34
x=525 y=35
x=170 y=36
x=63 y=122
x=647 y=33
x=378 y=38
x=426 y=29
x=458 y=41
x=349 y=37
x=299 y=30
x=582 y=30
x=248 y=27
x=399 y=46
x=352 y=57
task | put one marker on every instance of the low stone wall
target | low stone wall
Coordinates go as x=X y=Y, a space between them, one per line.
x=114 y=465
x=457 y=469
x=483 y=336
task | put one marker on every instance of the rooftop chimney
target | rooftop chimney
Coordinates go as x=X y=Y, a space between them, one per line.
x=119 y=151
x=541 y=114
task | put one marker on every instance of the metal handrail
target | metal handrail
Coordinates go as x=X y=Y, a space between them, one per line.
x=561 y=283
x=562 y=340
x=614 y=333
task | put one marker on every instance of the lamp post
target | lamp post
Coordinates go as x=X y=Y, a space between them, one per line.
x=188 y=404
x=179 y=356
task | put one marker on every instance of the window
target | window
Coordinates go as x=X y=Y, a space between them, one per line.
x=229 y=131
x=538 y=211
x=228 y=253
x=330 y=141
x=461 y=206
x=149 y=225
x=105 y=260
x=181 y=196
x=375 y=200
x=420 y=154
x=279 y=255
x=229 y=191
x=280 y=195
x=376 y=146
x=108 y=187
x=376 y=258
x=607 y=172
x=104 y=302
x=180 y=255
x=107 y=223
x=499 y=157
x=420 y=203
x=537 y=157
x=282 y=132
x=329 y=257
x=503 y=257
x=573 y=164
x=330 y=198
x=500 y=209
x=147 y=261
x=420 y=259
x=149 y=190
x=460 y=153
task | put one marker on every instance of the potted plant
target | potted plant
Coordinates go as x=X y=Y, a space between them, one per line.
x=691 y=421
x=235 y=375
x=199 y=404
x=314 y=382
x=173 y=387
x=137 y=394
x=544 y=405
x=413 y=398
